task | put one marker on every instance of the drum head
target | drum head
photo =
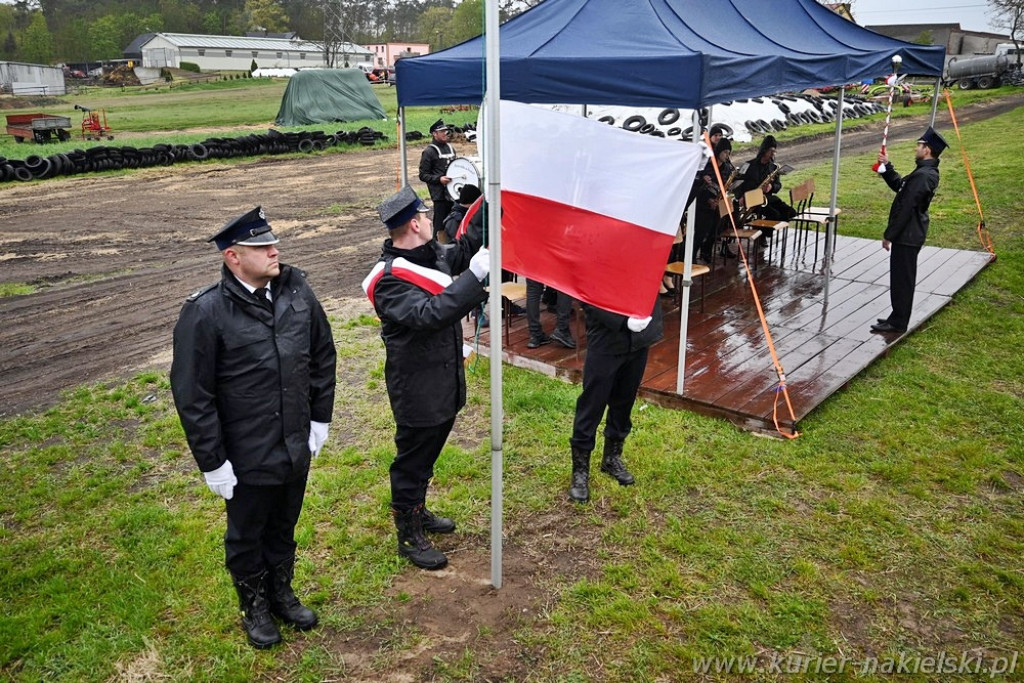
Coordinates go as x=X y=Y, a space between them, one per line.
x=462 y=171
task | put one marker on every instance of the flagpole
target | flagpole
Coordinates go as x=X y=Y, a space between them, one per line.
x=691 y=227
x=492 y=176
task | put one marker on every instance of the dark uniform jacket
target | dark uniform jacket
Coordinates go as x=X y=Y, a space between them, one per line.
x=247 y=381
x=454 y=219
x=755 y=175
x=434 y=164
x=607 y=332
x=908 y=217
x=421 y=311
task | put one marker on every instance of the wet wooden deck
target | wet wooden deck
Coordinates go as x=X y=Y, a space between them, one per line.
x=729 y=371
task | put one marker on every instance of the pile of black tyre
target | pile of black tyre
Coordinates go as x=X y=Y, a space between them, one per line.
x=104 y=158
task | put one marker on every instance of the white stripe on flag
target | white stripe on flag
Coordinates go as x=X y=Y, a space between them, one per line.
x=571 y=160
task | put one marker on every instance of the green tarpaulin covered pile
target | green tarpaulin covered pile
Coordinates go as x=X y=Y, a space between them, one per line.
x=321 y=95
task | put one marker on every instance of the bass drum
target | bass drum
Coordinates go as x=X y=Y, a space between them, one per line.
x=462 y=171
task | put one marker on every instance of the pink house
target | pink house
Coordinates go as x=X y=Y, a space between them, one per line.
x=385 y=54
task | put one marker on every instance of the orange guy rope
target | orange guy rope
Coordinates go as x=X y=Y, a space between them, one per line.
x=983 y=234
x=760 y=311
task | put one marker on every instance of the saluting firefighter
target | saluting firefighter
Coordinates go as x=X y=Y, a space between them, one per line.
x=253 y=380
x=434 y=163
x=421 y=308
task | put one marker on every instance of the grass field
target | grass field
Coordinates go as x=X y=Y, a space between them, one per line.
x=891 y=529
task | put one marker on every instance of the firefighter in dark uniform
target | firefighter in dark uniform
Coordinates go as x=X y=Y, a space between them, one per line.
x=421 y=308
x=908 y=226
x=253 y=381
x=616 y=359
x=433 y=171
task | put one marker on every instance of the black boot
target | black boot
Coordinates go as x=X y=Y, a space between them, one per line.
x=580 y=489
x=412 y=544
x=283 y=603
x=432 y=524
x=611 y=463
x=252 y=601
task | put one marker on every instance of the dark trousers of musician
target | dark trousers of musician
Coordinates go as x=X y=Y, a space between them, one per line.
x=417 y=450
x=776 y=210
x=902 y=280
x=608 y=381
x=261 y=525
x=563 y=309
x=442 y=207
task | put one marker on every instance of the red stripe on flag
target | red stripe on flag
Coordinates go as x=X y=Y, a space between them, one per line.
x=600 y=260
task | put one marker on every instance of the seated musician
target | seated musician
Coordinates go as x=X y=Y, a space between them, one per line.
x=757 y=174
x=708 y=197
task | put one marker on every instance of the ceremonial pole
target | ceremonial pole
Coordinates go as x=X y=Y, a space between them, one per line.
x=893 y=81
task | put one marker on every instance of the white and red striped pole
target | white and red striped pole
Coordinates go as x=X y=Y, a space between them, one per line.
x=892 y=82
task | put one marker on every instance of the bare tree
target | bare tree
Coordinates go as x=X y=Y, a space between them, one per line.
x=1009 y=14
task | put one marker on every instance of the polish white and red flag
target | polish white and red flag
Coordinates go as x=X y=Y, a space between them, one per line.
x=588 y=208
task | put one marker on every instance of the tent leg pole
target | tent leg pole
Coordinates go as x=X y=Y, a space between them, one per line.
x=935 y=100
x=684 y=309
x=403 y=164
x=832 y=225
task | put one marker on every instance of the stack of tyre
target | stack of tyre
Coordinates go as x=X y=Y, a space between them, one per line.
x=106 y=158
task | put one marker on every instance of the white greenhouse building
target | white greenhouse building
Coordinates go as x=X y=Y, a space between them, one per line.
x=237 y=53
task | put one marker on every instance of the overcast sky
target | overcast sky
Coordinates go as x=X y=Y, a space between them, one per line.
x=971 y=14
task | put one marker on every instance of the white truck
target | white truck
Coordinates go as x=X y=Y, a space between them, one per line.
x=985 y=71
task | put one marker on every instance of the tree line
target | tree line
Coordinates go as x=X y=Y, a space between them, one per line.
x=73 y=31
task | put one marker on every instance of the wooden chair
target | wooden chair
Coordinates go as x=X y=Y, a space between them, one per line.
x=675 y=269
x=808 y=216
x=510 y=292
x=753 y=198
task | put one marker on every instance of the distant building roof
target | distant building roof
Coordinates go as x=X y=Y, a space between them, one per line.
x=134 y=49
x=264 y=34
x=192 y=40
x=842 y=9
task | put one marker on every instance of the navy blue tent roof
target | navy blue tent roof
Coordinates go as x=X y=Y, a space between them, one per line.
x=680 y=53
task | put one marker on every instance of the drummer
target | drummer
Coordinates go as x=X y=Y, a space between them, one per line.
x=433 y=171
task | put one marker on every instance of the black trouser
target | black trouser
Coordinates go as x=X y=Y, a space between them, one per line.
x=442 y=207
x=563 y=308
x=608 y=381
x=776 y=210
x=418 y=448
x=705 y=229
x=261 y=525
x=902 y=280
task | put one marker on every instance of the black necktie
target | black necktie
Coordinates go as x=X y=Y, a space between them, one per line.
x=261 y=295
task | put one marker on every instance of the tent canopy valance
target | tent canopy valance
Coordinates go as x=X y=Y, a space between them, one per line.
x=663 y=53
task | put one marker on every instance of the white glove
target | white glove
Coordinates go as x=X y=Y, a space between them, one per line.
x=317 y=437
x=222 y=480
x=638 y=324
x=480 y=264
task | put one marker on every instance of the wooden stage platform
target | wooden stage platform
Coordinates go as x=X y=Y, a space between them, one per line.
x=729 y=371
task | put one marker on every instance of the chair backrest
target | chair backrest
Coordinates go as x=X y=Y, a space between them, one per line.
x=753 y=198
x=799 y=195
x=810 y=190
x=724 y=208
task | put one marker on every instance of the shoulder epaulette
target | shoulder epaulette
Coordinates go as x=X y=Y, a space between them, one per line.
x=199 y=292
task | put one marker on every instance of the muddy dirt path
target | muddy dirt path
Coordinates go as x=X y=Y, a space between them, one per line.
x=114 y=257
